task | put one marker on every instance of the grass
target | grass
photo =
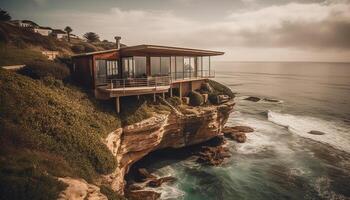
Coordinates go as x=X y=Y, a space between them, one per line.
x=15 y=56
x=221 y=89
x=62 y=121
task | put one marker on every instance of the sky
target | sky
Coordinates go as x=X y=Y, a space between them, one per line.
x=246 y=30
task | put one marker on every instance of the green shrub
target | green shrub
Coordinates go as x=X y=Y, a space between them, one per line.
x=89 y=47
x=221 y=89
x=41 y=69
x=14 y=56
x=213 y=98
x=78 y=48
x=196 y=98
x=61 y=121
x=109 y=193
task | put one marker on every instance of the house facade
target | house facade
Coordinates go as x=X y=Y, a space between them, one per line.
x=45 y=31
x=59 y=34
x=143 y=69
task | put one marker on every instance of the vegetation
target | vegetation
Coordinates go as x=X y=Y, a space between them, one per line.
x=41 y=69
x=174 y=101
x=92 y=37
x=10 y=55
x=196 y=98
x=61 y=122
x=221 y=89
x=109 y=193
x=68 y=30
x=4 y=15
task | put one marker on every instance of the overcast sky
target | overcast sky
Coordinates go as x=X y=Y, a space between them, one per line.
x=247 y=30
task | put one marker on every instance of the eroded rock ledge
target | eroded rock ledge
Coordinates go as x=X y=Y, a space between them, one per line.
x=131 y=143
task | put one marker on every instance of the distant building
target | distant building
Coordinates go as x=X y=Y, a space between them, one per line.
x=51 y=55
x=45 y=31
x=59 y=34
x=24 y=23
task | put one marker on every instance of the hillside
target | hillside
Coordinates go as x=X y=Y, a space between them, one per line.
x=21 y=45
x=45 y=127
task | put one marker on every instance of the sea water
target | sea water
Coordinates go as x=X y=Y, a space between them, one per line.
x=280 y=159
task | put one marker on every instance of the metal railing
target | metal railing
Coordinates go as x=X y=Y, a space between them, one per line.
x=139 y=82
x=192 y=75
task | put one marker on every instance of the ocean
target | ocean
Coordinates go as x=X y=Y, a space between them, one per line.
x=280 y=159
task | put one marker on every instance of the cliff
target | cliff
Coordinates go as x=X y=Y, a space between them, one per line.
x=131 y=143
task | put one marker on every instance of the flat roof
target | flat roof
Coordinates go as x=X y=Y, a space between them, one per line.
x=146 y=49
x=167 y=50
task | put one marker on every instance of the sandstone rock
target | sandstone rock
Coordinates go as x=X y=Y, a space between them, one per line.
x=162 y=131
x=159 y=181
x=237 y=133
x=134 y=187
x=244 y=129
x=316 y=132
x=253 y=99
x=144 y=174
x=213 y=155
x=223 y=98
x=143 y=195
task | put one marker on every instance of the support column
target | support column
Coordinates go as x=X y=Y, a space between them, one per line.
x=163 y=95
x=154 y=97
x=171 y=91
x=117 y=105
x=180 y=90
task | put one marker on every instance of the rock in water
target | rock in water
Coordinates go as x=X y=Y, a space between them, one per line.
x=213 y=155
x=144 y=174
x=143 y=195
x=236 y=129
x=316 y=132
x=271 y=100
x=158 y=182
x=237 y=133
x=253 y=99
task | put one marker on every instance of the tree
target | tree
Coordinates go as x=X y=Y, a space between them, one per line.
x=4 y=15
x=68 y=30
x=91 y=37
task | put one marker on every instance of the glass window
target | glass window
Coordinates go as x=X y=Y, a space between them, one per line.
x=140 y=66
x=189 y=67
x=112 y=68
x=199 y=66
x=128 y=67
x=205 y=65
x=179 y=67
x=155 y=66
x=164 y=66
x=173 y=67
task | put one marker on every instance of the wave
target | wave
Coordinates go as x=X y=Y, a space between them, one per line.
x=336 y=134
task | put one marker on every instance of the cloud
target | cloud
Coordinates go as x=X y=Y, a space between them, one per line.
x=318 y=27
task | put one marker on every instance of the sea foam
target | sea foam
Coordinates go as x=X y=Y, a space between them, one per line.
x=336 y=134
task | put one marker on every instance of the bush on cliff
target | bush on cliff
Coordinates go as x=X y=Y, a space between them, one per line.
x=41 y=69
x=196 y=98
x=221 y=89
x=56 y=130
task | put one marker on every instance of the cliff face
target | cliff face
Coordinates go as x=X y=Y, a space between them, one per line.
x=131 y=143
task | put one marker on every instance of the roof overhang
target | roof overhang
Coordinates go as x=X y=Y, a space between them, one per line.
x=95 y=53
x=165 y=51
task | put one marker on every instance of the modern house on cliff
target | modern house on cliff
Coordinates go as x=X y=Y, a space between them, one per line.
x=143 y=69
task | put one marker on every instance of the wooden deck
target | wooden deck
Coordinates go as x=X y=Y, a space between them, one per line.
x=130 y=91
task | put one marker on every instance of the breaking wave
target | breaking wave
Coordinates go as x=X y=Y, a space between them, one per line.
x=336 y=134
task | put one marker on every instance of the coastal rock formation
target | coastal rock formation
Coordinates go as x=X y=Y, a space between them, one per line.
x=237 y=133
x=214 y=154
x=79 y=189
x=253 y=99
x=313 y=132
x=131 y=143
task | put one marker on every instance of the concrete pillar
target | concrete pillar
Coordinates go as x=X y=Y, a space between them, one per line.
x=154 y=97
x=171 y=91
x=180 y=90
x=117 y=105
x=163 y=95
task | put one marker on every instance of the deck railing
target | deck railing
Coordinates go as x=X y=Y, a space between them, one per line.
x=192 y=75
x=139 y=82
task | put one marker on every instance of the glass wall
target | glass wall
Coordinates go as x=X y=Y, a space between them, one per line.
x=128 y=67
x=179 y=74
x=112 y=68
x=206 y=65
x=155 y=66
x=164 y=66
x=140 y=63
x=199 y=66
x=173 y=67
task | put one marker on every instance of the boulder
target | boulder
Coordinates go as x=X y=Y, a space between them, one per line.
x=159 y=181
x=237 y=133
x=244 y=129
x=144 y=174
x=316 y=132
x=213 y=155
x=271 y=100
x=223 y=98
x=143 y=195
x=253 y=99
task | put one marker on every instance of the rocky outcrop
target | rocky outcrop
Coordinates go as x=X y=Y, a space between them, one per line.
x=237 y=133
x=131 y=143
x=215 y=153
x=79 y=189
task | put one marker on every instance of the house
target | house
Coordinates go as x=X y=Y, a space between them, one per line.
x=45 y=31
x=24 y=23
x=51 y=55
x=143 y=69
x=59 y=34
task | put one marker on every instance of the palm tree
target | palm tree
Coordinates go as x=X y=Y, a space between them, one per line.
x=68 y=30
x=4 y=15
